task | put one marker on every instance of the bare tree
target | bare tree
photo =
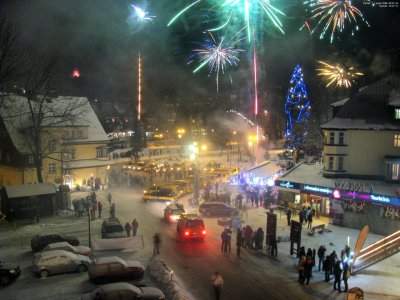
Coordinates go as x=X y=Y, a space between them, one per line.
x=37 y=117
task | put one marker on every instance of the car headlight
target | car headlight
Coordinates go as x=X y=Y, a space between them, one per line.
x=12 y=271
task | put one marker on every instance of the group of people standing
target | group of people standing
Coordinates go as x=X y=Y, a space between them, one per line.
x=246 y=237
x=134 y=227
x=330 y=264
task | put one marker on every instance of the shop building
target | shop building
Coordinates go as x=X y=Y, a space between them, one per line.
x=358 y=181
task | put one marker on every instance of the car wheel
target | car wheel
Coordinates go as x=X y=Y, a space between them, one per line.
x=208 y=214
x=4 y=280
x=43 y=273
x=81 y=268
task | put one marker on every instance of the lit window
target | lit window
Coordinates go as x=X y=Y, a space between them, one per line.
x=52 y=167
x=330 y=166
x=101 y=152
x=397 y=140
x=395 y=171
x=397 y=113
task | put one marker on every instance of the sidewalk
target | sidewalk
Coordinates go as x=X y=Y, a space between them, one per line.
x=379 y=281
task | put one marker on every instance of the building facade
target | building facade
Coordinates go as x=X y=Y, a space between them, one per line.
x=358 y=182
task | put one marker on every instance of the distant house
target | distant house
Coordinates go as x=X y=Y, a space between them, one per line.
x=76 y=153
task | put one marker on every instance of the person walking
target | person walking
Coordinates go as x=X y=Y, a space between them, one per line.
x=128 y=228
x=109 y=198
x=289 y=215
x=112 y=210
x=239 y=241
x=156 y=243
x=337 y=272
x=217 y=283
x=135 y=226
x=321 y=256
x=99 y=208
x=346 y=275
x=332 y=259
x=228 y=240
x=310 y=220
x=224 y=237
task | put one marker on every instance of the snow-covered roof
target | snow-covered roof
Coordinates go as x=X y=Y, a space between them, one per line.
x=265 y=169
x=368 y=109
x=17 y=107
x=340 y=102
x=25 y=190
x=312 y=174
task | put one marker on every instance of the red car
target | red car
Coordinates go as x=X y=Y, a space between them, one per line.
x=191 y=227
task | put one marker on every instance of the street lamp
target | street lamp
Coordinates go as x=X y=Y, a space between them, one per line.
x=181 y=132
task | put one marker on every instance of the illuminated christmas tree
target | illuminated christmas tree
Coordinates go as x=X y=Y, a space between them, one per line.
x=297 y=110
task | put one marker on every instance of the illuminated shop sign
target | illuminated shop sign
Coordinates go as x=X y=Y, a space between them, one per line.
x=287 y=184
x=371 y=198
x=317 y=189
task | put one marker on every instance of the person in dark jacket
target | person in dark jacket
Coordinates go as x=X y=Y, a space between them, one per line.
x=239 y=241
x=346 y=275
x=332 y=257
x=326 y=267
x=337 y=272
x=289 y=216
x=224 y=237
x=308 y=268
x=309 y=219
x=321 y=256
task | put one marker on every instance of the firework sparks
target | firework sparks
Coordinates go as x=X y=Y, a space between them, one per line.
x=334 y=14
x=141 y=14
x=338 y=75
x=217 y=55
x=247 y=11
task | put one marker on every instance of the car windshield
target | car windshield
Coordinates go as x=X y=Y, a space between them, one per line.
x=114 y=228
x=196 y=223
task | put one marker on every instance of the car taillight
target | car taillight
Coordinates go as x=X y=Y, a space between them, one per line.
x=187 y=232
x=204 y=232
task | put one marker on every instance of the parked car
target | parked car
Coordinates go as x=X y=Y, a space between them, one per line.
x=8 y=273
x=172 y=212
x=112 y=228
x=40 y=241
x=124 y=291
x=162 y=194
x=217 y=209
x=59 y=261
x=191 y=227
x=83 y=250
x=114 y=268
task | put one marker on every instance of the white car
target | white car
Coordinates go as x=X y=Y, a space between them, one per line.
x=83 y=250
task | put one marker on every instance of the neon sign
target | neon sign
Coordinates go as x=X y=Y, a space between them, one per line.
x=380 y=198
x=287 y=184
x=318 y=189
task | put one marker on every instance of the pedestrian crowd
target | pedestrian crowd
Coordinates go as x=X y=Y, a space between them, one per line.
x=331 y=265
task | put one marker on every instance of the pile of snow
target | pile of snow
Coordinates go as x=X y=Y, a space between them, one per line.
x=163 y=276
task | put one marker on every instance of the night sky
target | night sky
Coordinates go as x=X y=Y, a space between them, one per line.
x=100 y=38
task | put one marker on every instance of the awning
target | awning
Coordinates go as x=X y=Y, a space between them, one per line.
x=264 y=170
x=26 y=190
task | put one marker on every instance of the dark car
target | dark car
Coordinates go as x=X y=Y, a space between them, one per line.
x=112 y=268
x=8 y=273
x=112 y=228
x=173 y=212
x=191 y=227
x=217 y=209
x=124 y=291
x=41 y=241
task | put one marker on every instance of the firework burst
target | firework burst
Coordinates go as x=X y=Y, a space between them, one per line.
x=217 y=56
x=246 y=12
x=141 y=14
x=334 y=14
x=338 y=75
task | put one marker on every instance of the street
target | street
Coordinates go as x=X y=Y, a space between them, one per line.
x=252 y=276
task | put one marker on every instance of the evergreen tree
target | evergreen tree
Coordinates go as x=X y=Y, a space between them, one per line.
x=138 y=140
x=297 y=110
